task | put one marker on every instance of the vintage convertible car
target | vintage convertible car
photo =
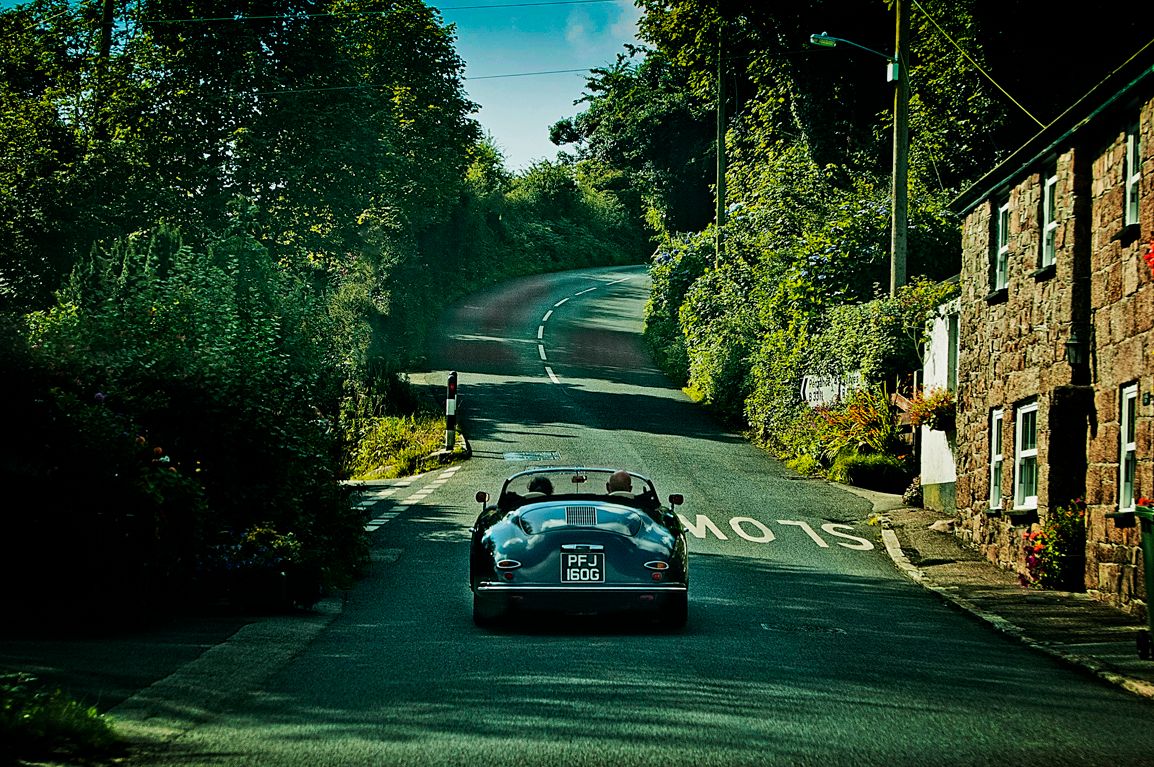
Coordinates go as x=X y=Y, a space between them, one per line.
x=577 y=541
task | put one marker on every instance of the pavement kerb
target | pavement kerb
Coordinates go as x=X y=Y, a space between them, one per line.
x=883 y=502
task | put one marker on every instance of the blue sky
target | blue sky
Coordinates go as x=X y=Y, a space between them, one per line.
x=498 y=38
x=509 y=37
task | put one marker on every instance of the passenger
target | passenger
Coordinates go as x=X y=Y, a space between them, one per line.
x=619 y=482
x=541 y=485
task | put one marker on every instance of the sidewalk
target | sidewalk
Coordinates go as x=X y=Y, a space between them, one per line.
x=1074 y=628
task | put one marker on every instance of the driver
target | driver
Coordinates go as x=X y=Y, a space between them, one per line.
x=619 y=482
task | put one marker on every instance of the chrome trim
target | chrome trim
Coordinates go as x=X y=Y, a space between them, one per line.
x=582 y=547
x=581 y=516
x=487 y=586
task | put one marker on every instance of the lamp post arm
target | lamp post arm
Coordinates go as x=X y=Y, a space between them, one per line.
x=824 y=39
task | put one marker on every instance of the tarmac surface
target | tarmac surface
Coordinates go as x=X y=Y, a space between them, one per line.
x=158 y=682
x=1073 y=627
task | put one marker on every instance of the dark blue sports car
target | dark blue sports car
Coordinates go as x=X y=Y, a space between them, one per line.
x=579 y=540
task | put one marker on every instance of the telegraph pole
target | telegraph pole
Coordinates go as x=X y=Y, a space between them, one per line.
x=899 y=191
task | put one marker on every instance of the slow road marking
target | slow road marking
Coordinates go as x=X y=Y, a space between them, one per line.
x=756 y=531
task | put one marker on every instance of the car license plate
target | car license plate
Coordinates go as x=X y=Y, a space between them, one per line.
x=582 y=567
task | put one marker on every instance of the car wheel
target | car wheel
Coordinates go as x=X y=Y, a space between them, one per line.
x=486 y=612
x=675 y=613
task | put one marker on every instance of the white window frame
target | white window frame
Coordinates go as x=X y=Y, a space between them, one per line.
x=1025 y=457
x=1132 y=174
x=1049 y=251
x=997 y=459
x=1128 y=447
x=954 y=336
x=1002 y=242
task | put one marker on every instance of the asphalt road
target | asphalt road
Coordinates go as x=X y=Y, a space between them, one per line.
x=804 y=644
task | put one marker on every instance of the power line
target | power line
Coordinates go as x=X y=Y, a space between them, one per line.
x=976 y=64
x=326 y=89
x=529 y=74
x=355 y=14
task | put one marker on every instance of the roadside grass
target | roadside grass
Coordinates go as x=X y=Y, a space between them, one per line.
x=38 y=721
x=399 y=446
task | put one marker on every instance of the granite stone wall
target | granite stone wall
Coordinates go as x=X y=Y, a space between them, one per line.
x=1013 y=352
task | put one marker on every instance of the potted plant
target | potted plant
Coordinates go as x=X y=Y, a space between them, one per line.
x=935 y=409
x=1055 y=551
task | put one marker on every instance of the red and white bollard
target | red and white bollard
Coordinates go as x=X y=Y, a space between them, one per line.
x=451 y=412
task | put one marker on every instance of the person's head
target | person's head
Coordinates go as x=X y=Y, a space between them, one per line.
x=619 y=481
x=541 y=485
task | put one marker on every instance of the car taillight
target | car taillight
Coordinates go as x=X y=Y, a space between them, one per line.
x=508 y=564
x=658 y=565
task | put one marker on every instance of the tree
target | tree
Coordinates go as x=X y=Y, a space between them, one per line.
x=641 y=119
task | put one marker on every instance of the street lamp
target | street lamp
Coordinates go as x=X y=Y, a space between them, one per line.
x=826 y=40
x=896 y=70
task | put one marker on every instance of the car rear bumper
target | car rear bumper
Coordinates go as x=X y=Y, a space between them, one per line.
x=583 y=599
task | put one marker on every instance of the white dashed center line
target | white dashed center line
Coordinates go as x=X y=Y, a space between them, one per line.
x=548 y=314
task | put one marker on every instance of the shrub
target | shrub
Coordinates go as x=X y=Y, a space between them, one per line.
x=863 y=424
x=873 y=471
x=806 y=465
x=38 y=721
x=913 y=494
x=1055 y=551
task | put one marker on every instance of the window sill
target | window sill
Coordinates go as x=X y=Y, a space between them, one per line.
x=1044 y=273
x=999 y=296
x=993 y=512
x=1125 y=518
x=1018 y=513
x=1128 y=235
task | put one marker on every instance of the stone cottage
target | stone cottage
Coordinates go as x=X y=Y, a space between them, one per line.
x=1056 y=335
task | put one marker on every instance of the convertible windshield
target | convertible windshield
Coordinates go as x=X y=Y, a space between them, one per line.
x=536 y=484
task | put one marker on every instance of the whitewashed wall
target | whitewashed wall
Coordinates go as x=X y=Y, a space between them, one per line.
x=937 y=459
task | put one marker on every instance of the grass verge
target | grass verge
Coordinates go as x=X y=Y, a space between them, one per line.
x=399 y=446
x=38 y=721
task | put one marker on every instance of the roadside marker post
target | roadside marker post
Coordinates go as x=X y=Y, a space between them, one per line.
x=451 y=412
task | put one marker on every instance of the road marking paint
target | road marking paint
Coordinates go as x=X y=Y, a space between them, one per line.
x=583 y=292
x=541 y=351
x=755 y=531
x=377 y=494
x=701 y=525
x=540 y=332
x=563 y=300
x=552 y=376
x=548 y=314
x=808 y=531
x=738 y=524
x=861 y=544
